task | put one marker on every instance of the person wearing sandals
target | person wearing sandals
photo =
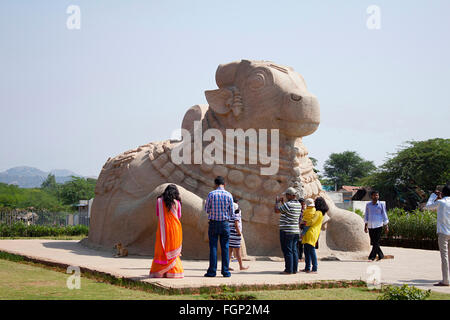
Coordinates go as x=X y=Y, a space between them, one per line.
x=236 y=235
x=312 y=235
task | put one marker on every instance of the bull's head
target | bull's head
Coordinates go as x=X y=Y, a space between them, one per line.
x=262 y=94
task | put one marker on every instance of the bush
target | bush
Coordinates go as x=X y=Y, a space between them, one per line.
x=414 y=225
x=19 y=229
x=413 y=229
x=403 y=293
x=360 y=213
x=232 y=296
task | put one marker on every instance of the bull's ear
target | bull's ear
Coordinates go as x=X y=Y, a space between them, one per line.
x=220 y=100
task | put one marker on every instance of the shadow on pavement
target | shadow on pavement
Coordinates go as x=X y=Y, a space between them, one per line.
x=419 y=281
x=79 y=249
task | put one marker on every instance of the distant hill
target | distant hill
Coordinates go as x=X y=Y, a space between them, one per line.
x=29 y=177
x=63 y=173
x=24 y=172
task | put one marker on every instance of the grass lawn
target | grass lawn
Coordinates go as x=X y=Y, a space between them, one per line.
x=24 y=280
x=356 y=293
x=29 y=282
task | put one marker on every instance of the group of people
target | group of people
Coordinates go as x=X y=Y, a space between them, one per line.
x=225 y=226
x=300 y=219
x=300 y=224
x=376 y=219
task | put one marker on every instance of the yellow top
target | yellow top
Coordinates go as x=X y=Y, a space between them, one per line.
x=312 y=235
x=308 y=215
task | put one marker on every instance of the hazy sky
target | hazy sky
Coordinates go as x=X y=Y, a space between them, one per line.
x=72 y=98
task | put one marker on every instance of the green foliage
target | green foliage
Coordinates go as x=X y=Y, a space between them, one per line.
x=347 y=168
x=414 y=225
x=360 y=213
x=12 y=196
x=20 y=229
x=232 y=296
x=403 y=293
x=11 y=257
x=50 y=183
x=412 y=173
x=77 y=189
x=51 y=196
x=314 y=163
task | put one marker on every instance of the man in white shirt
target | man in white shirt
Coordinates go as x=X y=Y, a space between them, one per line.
x=375 y=218
x=441 y=202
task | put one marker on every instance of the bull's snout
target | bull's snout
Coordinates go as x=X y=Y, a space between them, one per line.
x=302 y=108
x=300 y=114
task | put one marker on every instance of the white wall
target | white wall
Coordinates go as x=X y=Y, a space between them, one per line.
x=90 y=206
x=361 y=205
x=337 y=197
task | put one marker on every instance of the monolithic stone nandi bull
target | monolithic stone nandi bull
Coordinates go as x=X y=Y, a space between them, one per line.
x=251 y=95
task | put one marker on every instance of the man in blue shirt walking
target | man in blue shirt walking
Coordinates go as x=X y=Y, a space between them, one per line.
x=375 y=218
x=219 y=206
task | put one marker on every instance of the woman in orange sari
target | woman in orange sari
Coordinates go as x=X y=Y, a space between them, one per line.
x=166 y=261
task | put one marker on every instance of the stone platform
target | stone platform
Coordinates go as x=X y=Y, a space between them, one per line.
x=420 y=268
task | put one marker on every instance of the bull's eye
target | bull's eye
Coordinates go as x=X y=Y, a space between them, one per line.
x=295 y=97
x=256 y=81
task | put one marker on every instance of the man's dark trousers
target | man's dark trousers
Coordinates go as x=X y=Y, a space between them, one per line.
x=300 y=249
x=375 y=236
x=218 y=230
x=289 y=247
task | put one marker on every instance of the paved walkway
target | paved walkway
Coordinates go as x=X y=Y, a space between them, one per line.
x=420 y=268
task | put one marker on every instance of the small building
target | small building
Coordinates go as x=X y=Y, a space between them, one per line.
x=352 y=198
x=83 y=216
x=363 y=194
x=338 y=199
x=348 y=192
x=343 y=197
x=328 y=188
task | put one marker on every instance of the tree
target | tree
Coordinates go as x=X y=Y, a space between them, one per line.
x=314 y=163
x=50 y=182
x=412 y=173
x=77 y=189
x=347 y=168
x=325 y=183
x=13 y=197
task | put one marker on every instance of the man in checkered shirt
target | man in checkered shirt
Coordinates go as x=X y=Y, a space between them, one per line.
x=219 y=206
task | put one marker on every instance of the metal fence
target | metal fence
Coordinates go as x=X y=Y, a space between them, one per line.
x=37 y=217
x=84 y=220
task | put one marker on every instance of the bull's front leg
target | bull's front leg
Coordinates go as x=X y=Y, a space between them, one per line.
x=345 y=229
